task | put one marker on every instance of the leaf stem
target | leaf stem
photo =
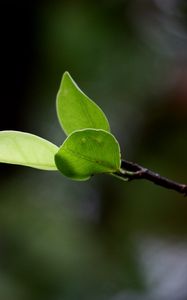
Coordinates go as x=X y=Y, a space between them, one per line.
x=130 y=171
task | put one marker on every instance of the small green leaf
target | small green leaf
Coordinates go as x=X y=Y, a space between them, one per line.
x=27 y=149
x=75 y=110
x=87 y=152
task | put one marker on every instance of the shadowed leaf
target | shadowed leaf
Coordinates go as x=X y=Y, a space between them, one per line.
x=87 y=152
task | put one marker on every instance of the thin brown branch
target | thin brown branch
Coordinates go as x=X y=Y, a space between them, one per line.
x=131 y=171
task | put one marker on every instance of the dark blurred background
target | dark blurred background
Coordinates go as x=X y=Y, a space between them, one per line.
x=102 y=239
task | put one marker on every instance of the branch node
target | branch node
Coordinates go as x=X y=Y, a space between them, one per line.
x=130 y=171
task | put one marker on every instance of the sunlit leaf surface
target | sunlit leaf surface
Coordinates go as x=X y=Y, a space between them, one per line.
x=27 y=149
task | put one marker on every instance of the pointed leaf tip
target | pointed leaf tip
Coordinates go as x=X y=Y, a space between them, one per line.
x=75 y=110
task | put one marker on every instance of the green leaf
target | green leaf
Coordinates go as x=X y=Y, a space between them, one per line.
x=87 y=152
x=27 y=149
x=75 y=110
